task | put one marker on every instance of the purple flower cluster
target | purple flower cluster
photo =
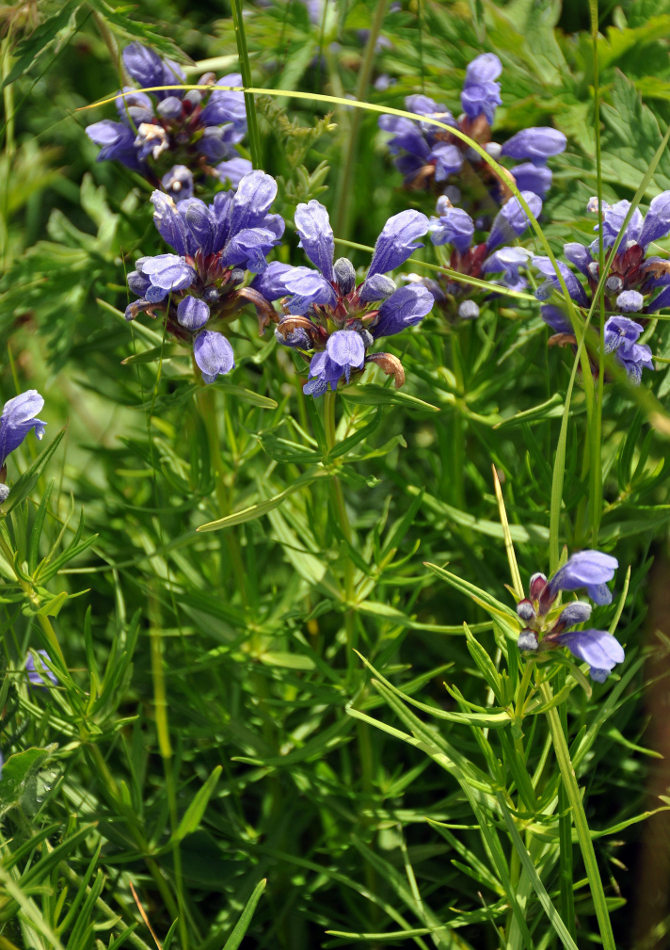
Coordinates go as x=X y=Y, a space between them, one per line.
x=543 y=630
x=455 y=227
x=19 y=416
x=328 y=313
x=431 y=157
x=170 y=136
x=636 y=282
x=201 y=284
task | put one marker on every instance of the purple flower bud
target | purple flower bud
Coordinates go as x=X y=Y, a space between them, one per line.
x=576 y=612
x=614 y=284
x=213 y=355
x=377 y=287
x=345 y=275
x=192 y=313
x=525 y=611
x=17 y=419
x=527 y=641
x=39 y=677
x=397 y=241
x=536 y=585
x=589 y=569
x=316 y=236
x=630 y=301
x=511 y=221
x=598 y=648
x=536 y=144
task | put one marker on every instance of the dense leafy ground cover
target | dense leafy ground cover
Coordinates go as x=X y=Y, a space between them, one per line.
x=300 y=682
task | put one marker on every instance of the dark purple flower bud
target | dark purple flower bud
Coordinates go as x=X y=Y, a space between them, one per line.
x=234 y=170
x=630 y=301
x=398 y=238
x=511 y=221
x=468 y=310
x=529 y=177
x=192 y=313
x=536 y=144
x=145 y=66
x=481 y=94
x=213 y=355
x=316 y=236
x=598 y=648
x=578 y=255
x=574 y=613
x=453 y=226
x=17 y=419
x=657 y=221
x=527 y=641
x=345 y=275
x=589 y=569
x=525 y=611
x=407 y=306
x=377 y=287
x=536 y=585
x=346 y=348
x=170 y=108
x=40 y=676
x=178 y=183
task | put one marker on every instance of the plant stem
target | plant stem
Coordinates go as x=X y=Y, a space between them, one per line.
x=581 y=824
x=245 y=69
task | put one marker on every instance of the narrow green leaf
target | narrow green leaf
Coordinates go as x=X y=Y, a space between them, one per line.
x=242 y=925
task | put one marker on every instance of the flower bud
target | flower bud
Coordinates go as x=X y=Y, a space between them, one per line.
x=614 y=284
x=527 y=640
x=537 y=584
x=468 y=310
x=345 y=275
x=525 y=610
x=576 y=612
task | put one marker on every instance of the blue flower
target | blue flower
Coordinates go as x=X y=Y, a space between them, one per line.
x=171 y=127
x=201 y=283
x=17 y=419
x=536 y=144
x=329 y=313
x=598 y=648
x=589 y=569
x=39 y=677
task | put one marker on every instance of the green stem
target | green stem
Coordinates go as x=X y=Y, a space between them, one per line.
x=347 y=167
x=579 y=817
x=245 y=69
x=340 y=513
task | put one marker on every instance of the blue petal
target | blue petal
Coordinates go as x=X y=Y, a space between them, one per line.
x=213 y=355
x=407 y=306
x=316 y=236
x=17 y=419
x=397 y=241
